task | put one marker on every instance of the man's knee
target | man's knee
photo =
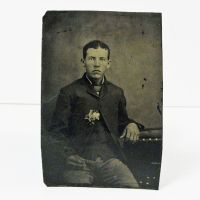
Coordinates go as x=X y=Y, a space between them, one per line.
x=78 y=177
x=119 y=174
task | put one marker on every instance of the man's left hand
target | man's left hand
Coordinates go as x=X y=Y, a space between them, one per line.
x=131 y=133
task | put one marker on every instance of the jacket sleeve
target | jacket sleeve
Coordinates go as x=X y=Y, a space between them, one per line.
x=59 y=128
x=123 y=116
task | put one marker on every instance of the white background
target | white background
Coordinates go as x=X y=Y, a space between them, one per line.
x=20 y=78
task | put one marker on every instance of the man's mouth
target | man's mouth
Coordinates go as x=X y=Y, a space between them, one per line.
x=96 y=71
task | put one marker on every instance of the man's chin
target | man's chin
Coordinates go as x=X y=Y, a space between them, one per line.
x=96 y=76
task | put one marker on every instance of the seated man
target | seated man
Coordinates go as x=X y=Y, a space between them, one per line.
x=91 y=114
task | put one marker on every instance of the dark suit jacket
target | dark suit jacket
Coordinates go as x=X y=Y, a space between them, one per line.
x=76 y=100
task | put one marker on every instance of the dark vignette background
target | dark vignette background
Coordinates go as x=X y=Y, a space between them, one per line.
x=135 y=40
x=136 y=53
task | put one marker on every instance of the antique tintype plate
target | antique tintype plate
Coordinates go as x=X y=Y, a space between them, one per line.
x=101 y=99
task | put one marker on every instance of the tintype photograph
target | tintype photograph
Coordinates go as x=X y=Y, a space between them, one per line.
x=101 y=106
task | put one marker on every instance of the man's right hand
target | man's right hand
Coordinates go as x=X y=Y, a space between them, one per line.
x=76 y=161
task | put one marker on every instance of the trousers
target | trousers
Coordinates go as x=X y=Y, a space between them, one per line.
x=111 y=173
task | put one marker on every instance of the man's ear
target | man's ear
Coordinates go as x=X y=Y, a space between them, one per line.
x=109 y=64
x=83 y=60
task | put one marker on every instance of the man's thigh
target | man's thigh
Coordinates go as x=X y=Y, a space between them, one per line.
x=114 y=173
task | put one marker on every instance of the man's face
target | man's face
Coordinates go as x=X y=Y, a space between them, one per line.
x=96 y=62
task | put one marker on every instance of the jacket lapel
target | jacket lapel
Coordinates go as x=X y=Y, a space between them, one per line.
x=104 y=89
x=91 y=90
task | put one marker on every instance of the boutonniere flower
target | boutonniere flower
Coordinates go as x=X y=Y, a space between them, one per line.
x=92 y=116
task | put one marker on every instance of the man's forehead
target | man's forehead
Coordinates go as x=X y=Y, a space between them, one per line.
x=97 y=52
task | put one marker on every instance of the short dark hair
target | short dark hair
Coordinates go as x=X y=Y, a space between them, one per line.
x=95 y=44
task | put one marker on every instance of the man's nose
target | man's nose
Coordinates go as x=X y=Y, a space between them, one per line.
x=97 y=63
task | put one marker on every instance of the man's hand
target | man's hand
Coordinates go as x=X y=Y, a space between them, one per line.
x=76 y=161
x=131 y=133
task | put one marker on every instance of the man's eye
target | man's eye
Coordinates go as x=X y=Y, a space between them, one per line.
x=102 y=59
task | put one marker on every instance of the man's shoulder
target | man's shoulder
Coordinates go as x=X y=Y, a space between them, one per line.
x=72 y=86
x=114 y=87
